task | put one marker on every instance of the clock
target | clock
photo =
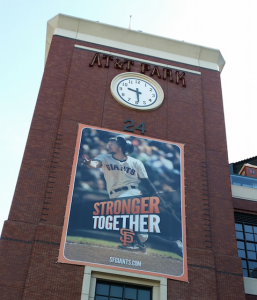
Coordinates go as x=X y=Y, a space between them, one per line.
x=137 y=91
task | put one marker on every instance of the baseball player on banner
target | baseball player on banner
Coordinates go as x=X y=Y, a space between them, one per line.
x=123 y=174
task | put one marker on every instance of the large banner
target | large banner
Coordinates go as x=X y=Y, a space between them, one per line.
x=126 y=205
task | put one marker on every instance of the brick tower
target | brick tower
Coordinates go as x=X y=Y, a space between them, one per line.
x=82 y=58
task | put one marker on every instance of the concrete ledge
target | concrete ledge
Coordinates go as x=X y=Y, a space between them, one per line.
x=242 y=192
x=132 y=40
x=250 y=285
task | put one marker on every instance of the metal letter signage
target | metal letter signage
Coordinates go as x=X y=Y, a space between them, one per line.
x=107 y=57
x=119 y=64
x=96 y=59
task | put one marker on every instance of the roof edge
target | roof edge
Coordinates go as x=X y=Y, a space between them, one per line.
x=132 y=40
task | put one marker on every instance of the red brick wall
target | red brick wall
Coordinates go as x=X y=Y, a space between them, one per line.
x=70 y=94
x=245 y=206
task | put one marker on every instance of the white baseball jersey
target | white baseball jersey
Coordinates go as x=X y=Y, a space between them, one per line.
x=119 y=174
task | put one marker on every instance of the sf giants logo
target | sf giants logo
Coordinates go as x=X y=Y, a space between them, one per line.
x=251 y=171
x=126 y=236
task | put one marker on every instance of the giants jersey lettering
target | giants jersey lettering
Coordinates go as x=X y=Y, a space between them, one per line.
x=119 y=174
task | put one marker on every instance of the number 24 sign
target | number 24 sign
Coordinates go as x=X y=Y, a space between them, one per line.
x=130 y=126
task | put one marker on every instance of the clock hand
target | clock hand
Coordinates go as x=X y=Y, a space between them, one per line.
x=137 y=91
x=131 y=90
x=138 y=94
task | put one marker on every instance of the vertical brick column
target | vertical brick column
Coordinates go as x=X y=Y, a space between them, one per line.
x=227 y=264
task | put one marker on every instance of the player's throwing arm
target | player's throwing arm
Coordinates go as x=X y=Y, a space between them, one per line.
x=91 y=163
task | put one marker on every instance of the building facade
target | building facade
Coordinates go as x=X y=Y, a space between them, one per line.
x=82 y=60
x=244 y=193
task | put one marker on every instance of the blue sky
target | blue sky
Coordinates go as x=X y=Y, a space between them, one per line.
x=225 y=25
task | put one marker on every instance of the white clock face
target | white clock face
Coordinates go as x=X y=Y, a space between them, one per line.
x=137 y=91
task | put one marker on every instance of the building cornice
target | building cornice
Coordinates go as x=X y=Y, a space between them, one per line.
x=134 y=41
